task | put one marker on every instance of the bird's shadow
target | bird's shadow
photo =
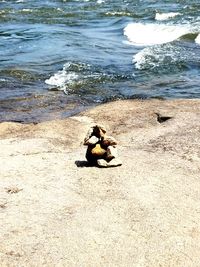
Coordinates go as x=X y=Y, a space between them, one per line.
x=83 y=163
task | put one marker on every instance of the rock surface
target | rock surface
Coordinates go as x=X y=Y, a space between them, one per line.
x=145 y=213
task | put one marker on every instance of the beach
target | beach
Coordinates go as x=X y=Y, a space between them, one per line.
x=55 y=210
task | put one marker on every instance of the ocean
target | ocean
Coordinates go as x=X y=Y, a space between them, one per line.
x=59 y=57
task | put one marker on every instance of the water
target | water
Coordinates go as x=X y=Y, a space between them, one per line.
x=59 y=57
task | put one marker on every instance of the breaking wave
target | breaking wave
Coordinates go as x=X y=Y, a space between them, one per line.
x=166 y=16
x=163 y=57
x=140 y=34
x=197 y=40
x=159 y=51
x=152 y=57
x=63 y=78
x=78 y=76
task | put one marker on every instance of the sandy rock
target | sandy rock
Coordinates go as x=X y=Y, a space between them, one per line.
x=145 y=213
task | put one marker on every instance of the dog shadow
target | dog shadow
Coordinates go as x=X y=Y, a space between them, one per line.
x=83 y=163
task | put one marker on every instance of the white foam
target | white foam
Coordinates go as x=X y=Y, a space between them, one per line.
x=118 y=13
x=151 y=34
x=62 y=78
x=100 y=1
x=27 y=10
x=166 y=16
x=155 y=56
x=197 y=40
x=140 y=59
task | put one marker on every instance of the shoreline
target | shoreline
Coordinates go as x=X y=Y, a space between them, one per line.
x=79 y=109
x=56 y=211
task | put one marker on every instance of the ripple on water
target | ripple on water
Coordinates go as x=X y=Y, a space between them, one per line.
x=94 y=51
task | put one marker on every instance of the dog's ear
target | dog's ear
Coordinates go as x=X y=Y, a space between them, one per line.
x=99 y=131
x=102 y=128
x=88 y=135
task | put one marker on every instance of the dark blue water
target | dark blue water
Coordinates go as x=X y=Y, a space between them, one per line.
x=59 y=57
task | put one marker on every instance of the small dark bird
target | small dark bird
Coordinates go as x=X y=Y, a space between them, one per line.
x=161 y=118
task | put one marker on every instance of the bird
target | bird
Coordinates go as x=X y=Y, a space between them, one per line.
x=161 y=118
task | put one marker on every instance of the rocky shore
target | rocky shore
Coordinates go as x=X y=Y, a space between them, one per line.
x=55 y=210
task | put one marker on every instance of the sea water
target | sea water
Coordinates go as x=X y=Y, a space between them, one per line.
x=58 y=57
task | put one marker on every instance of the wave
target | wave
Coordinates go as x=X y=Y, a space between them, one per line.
x=79 y=76
x=197 y=40
x=159 y=52
x=166 y=16
x=63 y=78
x=100 y=1
x=140 y=34
x=163 y=57
x=118 y=13
x=150 y=58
